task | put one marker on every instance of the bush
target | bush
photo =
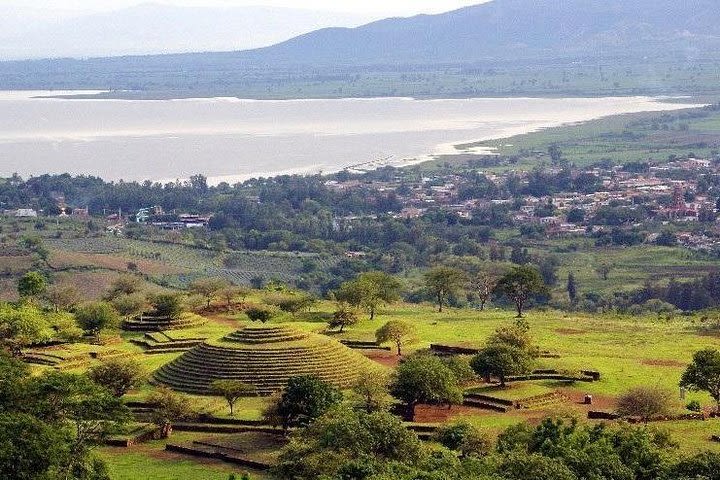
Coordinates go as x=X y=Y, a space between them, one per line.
x=464 y=438
x=260 y=313
x=168 y=305
x=118 y=375
x=93 y=317
x=424 y=378
x=694 y=406
x=305 y=398
x=644 y=402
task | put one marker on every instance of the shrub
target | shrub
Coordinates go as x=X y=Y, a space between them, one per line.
x=424 y=378
x=343 y=317
x=118 y=375
x=502 y=361
x=260 y=313
x=694 y=406
x=305 y=399
x=232 y=390
x=644 y=402
x=397 y=332
x=93 y=317
x=167 y=305
x=464 y=438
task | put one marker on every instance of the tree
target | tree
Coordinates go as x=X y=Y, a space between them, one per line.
x=62 y=297
x=31 y=285
x=29 y=448
x=370 y=290
x=705 y=465
x=572 y=288
x=168 y=305
x=370 y=392
x=232 y=390
x=35 y=244
x=168 y=408
x=343 y=316
x=129 y=305
x=555 y=154
x=398 y=332
x=77 y=402
x=703 y=374
x=548 y=270
x=23 y=326
x=232 y=292
x=484 y=284
x=534 y=467
x=516 y=336
x=119 y=375
x=353 y=444
x=208 y=288
x=443 y=282
x=502 y=360
x=603 y=270
x=304 y=399
x=124 y=285
x=260 y=313
x=93 y=317
x=519 y=285
x=644 y=402
x=423 y=378
x=290 y=302
x=465 y=438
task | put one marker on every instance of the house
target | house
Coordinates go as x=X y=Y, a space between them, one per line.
x=25 y=213
x=80 y=213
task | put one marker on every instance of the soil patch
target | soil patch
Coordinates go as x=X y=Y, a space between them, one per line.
x=441 y=413
x=570 y=331
x=662 y=363
x=600 y=402
x=383 y=357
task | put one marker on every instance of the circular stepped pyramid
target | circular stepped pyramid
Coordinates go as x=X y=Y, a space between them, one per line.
x=154 y=323
x=266 y=357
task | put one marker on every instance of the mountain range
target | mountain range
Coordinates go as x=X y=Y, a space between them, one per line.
x=512 y=29
x=499 y=47
x=155 y=28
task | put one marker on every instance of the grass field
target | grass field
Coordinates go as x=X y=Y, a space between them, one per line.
x=627 y=351
x=624 y=138
x=151 y=461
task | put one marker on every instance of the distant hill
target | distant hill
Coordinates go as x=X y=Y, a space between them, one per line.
x=512 y=29
x=153 y=28
x=502 y=47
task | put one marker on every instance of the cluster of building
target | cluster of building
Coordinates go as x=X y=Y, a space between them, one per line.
x=669 y=192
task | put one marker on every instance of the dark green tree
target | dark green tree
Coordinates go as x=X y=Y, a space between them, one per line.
x=572 y=288
x=519 y=285
x=31 y=285
x=501 y=361
x=304 y=399
x=704 y=374
x=423 y=378
x=444 y=282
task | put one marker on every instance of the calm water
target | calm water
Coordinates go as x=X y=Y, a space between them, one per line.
x=230 y=139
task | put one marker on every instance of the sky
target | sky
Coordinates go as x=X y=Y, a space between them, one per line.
x=392 y=7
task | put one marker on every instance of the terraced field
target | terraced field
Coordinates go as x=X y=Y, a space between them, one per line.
x=177 y=265
x=152 y=323
x=266 y=357
x=68 y=357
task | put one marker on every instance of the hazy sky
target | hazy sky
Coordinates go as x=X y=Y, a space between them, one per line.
x=392 y=7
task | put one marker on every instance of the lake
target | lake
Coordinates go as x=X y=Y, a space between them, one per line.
x=231 y=139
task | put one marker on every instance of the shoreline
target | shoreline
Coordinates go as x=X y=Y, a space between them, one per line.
x=449 y=149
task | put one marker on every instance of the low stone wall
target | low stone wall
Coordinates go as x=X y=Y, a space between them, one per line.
x=207 y=452
x=142 y=436
x=600 y=415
